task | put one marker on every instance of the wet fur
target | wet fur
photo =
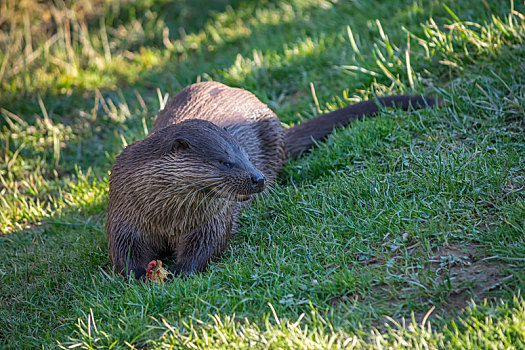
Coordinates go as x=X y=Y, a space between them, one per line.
x=171 y=193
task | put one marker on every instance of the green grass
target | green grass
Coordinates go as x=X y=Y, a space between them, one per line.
x=406 y=230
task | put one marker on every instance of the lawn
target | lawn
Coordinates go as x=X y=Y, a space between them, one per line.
x=404 y=230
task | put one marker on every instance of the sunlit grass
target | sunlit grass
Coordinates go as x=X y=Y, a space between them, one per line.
x=405 y=231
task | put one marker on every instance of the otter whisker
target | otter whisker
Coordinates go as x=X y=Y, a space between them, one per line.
x=184 y=202
x=213 y=194
x=207 y=195
x=192 y=200
x=193 y=184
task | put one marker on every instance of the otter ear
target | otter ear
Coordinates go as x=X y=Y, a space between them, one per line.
x=179 y=144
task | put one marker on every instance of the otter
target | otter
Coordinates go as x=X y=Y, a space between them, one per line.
x=179 y=191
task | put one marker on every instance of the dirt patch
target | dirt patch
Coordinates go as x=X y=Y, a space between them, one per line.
x=447 y=281
x=468 y=274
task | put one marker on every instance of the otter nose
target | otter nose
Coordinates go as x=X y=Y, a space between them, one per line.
x=258 y=181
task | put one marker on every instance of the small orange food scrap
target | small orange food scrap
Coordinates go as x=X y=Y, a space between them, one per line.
x=155 y=272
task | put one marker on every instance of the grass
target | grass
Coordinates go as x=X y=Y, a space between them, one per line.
x=406 y=230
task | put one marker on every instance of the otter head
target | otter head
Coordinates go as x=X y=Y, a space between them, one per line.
x=194 y=159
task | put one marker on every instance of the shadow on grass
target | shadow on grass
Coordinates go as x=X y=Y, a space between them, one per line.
x=283 y=86
x=53 y=266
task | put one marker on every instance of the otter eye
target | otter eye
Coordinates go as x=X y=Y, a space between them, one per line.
x=227 y=165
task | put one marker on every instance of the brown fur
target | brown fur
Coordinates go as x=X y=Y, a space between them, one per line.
x=179 y=191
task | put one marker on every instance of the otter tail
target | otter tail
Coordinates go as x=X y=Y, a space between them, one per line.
x=301 y=137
